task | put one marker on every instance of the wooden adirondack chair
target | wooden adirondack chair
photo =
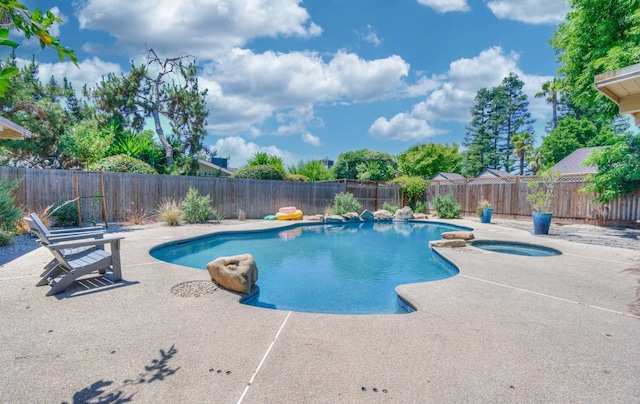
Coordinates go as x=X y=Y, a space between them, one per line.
x=46 y=236
x=69 y=267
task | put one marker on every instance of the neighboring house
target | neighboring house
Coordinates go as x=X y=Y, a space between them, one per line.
x=10 y=130
x=493 y=173
x=572 y=164
x=447 y=177
x=210 y=169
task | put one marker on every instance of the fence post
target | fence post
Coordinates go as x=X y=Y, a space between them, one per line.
x=75 y=182
x=104 y=202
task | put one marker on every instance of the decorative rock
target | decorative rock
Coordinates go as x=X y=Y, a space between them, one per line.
x=403 y=214
x=352 y=217
x=237 y=273
x=334 y=219
x=367 y=216
x=458 y=235
x=420 y=216
x=447 y=243
x=383 y=215
x=317 y=218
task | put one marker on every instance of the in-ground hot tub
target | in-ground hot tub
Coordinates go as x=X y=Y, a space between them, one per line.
x=511 y=247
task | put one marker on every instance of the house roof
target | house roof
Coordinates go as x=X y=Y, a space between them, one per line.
x=572 y=164
x=448 y=176
x=10 y=130
x=216 y=167
x=492 y=172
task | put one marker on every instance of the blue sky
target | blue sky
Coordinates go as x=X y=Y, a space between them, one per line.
x=309 y=80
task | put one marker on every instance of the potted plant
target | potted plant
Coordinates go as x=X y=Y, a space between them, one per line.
x=541 y=194
x=485 y=211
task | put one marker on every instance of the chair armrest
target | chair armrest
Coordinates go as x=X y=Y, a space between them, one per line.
x=79 y=236
x=84 y=243
x=79 y=230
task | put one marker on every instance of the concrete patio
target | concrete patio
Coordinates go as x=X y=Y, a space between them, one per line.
x=506 y=329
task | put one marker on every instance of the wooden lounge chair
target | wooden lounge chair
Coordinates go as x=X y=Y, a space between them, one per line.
x=46 y=236
x=68 y=268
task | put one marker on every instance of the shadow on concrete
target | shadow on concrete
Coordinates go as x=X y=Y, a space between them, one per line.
x=102 y=392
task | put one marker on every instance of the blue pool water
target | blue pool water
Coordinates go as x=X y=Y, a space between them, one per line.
x=352 y=268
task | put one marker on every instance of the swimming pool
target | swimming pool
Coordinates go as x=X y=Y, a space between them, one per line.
x=346 y=269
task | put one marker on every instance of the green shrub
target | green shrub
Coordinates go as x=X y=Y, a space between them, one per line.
x=169 y=212
x=389 y=207
x=296 y=177
x=122 y=163
x=6 y=238
x=345 y=202
x=10 y=214
x=421 y=207
x=260 y=172
x=196 y=208
x=447 y=207
x=64 y=213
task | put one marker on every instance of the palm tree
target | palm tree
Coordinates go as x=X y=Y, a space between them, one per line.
x=550 y=91
x=522 y=144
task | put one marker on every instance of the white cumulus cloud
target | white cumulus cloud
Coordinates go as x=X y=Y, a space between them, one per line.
x=241 y=151
x=247 y=88
x=444 y=6
x=402 y=127
x=88 y=71
x=200 y=27
x=530 y=11
x=308 y=138
x=452 y=98
x=369 y=35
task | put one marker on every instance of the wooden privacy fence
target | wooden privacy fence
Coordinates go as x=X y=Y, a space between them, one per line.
x=508 y=198
x=117 y=194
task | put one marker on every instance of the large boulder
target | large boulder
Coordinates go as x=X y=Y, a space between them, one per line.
x=458 y=235
x=383 y=215
x=316 y=218
x=367 y=216
x=405 y=213
x=237 y=273
x=420 y=216
x=352 y=217
x=447 y=243
x=334 y=219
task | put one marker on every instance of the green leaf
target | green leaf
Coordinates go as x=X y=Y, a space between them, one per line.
x=9 y=72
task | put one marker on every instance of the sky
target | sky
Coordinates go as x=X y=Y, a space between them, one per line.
x=312 y=79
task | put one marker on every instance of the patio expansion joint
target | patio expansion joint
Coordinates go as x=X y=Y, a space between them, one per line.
x=550 y=296
x=264 y=358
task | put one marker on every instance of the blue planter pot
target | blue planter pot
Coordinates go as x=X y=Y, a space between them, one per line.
x=486 y=215
x=541 y=222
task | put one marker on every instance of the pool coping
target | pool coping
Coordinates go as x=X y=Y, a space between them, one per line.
x=507 y=330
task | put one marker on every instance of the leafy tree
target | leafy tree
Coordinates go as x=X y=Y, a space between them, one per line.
x=426 y=160
x=365 y=165
x=513 y=116
x=266 y=159
x=45 y=111
x=412 y=187
x=86 y=142
x=481 y=135
x=9 y=212
x=314 y=170
x=598 y=36
x=572 y=134
x=161 y=87
x=618 y=169
x=15 y=15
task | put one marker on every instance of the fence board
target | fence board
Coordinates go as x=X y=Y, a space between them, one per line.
x=257 y=198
